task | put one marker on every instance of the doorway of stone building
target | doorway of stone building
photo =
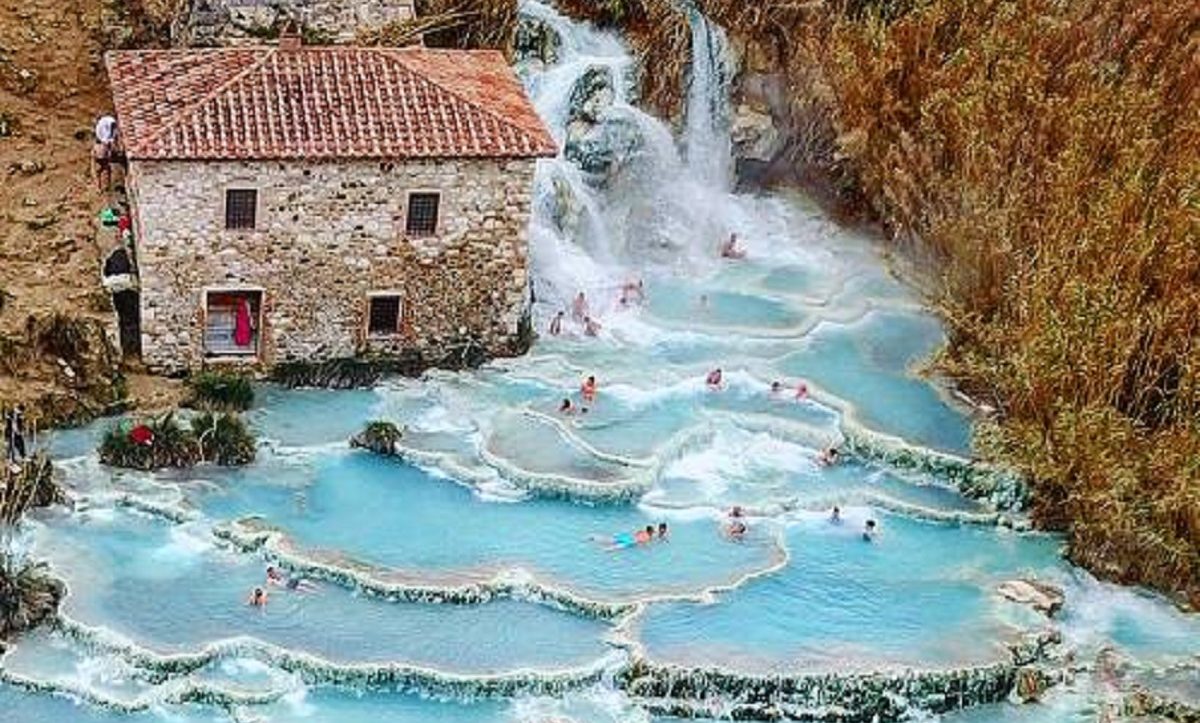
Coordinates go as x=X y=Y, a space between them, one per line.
x=233 y=323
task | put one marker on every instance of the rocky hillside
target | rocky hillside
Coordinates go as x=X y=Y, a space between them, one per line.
x=56 y=354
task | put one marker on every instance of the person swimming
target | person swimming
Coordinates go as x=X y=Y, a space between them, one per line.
x=835 y=516
x=801 y=392
x=274 y=577
x=567 y=407
x=828 y=457
x=258 y=598
x=591 y=327
x=662 y=532
x=625 y=540
x=714 y=378
x=869 y=531
x=556 y=324
x=776 y=389
x=730 y=250
x=588 y=390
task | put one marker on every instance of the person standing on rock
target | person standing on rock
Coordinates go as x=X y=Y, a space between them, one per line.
x=14 y=435
x=102 y=150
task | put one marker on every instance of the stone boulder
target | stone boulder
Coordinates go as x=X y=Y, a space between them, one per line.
x=754 y=135
x=600 y=139
x=1043 y=597
x=602 y=149
x=593 y=94
x=536 y=43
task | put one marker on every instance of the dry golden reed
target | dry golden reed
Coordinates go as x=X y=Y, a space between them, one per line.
x=1046 y=154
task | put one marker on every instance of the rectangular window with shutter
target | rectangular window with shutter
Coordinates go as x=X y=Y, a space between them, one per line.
x=422 y=214
x=241 y=208
x=383 y=315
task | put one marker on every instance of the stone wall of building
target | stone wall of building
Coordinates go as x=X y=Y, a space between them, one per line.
x=329 y=234
x=234 y=22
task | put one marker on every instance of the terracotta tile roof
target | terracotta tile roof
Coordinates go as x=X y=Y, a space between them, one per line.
x=322 y=103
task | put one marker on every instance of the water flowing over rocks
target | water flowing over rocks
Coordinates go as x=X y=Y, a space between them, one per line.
x=668 y=690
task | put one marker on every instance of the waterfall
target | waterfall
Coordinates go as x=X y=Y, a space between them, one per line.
x=707 y=135
x=625 y=194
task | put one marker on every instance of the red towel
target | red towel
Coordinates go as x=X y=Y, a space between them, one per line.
x=242 y=333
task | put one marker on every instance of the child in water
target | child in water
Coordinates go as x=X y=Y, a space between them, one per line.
x=869 y=531
x=588 y=390
x=258 y=598
x=713 y=380
x=556 y=324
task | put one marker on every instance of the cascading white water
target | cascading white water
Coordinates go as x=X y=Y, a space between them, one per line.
x=661 y=201
x=707 y=138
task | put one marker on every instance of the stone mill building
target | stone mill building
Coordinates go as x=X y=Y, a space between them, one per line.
x=297 y=203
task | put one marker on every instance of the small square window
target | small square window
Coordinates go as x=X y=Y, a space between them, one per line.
x=422 y=214
x=383 y=315
x=241 y=207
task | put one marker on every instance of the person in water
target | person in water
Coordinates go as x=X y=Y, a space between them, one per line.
x=588 y=390
x=869 y=531
x=835 y=516
x=556 y=324
x=567 y=407
x=579 y=307
x=274 y=577
x=633 y=292
x=662 y=532
x=801 y=392
x=299 y=584
x=258 y=598
x=731 y=250
x=736 y=530
x=591 y=327
x=625 y=540
x=776 y=389
x=828 y=457
x=736 y=527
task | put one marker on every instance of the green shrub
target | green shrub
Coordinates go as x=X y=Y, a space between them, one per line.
x=28 y=595
x=172 y=445
x=220 y=391
x=224 y=439
x=379 y=436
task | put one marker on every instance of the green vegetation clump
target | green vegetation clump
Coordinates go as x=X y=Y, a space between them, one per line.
x=224 y=439
x=379 y=436
x=148 y=444
x=1044 y=156
x=220 y=392
x=163 y=442
x=28 y=594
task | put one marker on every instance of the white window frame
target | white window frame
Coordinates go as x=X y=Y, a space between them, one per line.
x=256 y=353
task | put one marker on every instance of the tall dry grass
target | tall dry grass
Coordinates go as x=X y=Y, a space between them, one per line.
x=1046 y=154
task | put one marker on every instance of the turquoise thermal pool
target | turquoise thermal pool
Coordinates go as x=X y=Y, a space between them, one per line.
x=471 y=579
